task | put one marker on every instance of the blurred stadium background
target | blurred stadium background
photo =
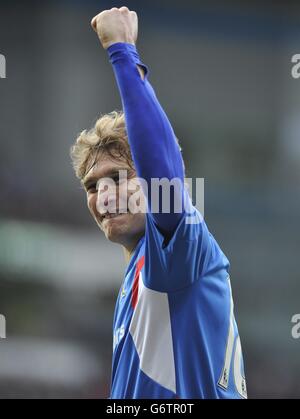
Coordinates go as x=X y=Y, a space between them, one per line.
x=222 y=70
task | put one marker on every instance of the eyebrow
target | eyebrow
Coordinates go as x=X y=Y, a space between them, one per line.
x=110 y=173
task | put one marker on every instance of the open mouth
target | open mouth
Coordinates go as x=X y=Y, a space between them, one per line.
x=109 y=216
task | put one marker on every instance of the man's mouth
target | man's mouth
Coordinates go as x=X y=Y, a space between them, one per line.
x=108 y=215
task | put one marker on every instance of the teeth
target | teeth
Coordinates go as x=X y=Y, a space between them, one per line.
x=111 y=215
x=108 y=215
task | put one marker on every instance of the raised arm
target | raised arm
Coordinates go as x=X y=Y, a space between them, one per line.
x=154 y=148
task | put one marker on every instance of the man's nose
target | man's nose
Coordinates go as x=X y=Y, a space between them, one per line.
x=109 y=200
x=106 y=202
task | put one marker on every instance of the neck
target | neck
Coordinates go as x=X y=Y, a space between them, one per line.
x=129 y=250
x=127 y=254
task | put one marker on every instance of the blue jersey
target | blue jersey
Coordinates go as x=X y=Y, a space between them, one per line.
x=175 y=335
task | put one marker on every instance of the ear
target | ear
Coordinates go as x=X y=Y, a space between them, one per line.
x=94 y=23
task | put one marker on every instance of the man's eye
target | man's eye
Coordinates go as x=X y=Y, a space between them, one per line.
x=92 y=187
x=116 y=178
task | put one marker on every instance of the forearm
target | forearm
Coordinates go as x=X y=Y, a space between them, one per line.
x=154 y=148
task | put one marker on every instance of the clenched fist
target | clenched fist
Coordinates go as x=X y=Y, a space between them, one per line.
x=116 y=25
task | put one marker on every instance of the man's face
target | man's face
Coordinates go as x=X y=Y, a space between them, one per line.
x=105 y=202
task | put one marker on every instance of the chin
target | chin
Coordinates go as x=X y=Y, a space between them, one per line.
x=116 y=236
x=124 y=231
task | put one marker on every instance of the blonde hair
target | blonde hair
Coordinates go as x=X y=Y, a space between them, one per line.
x=108 y=136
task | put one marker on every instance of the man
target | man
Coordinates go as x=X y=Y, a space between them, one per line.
x=175 y=334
